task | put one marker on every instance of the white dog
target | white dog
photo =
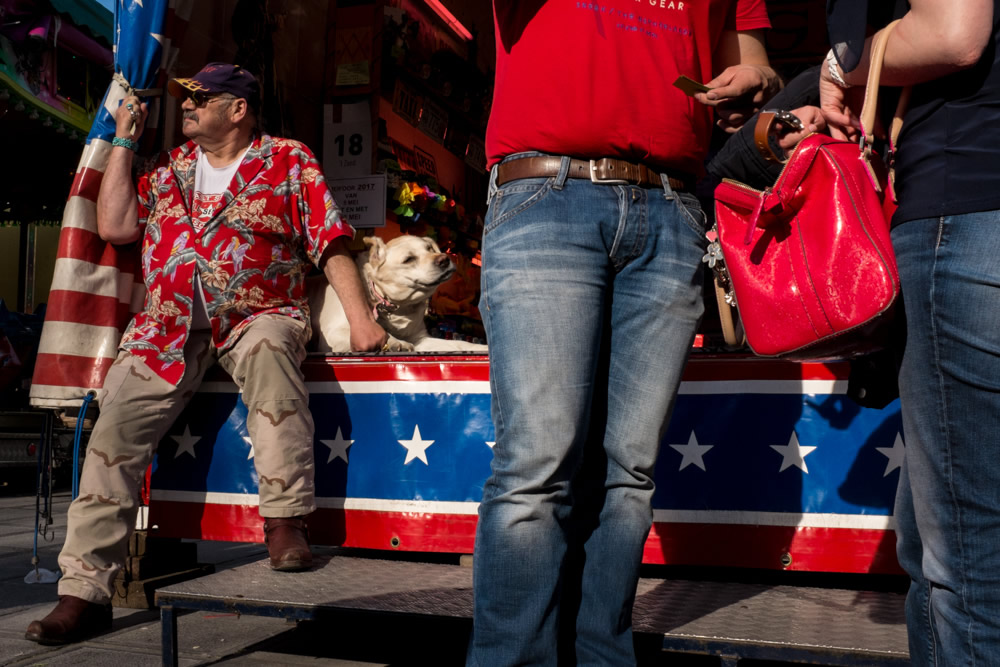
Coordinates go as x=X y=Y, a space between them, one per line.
x=399 y=277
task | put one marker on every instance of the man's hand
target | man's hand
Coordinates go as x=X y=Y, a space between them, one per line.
x=341 y=271
x=367 y=335
x=131 y=112
x=740 y=92
x=812 y=121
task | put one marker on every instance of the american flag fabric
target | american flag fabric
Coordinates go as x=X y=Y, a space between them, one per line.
x=96 y=287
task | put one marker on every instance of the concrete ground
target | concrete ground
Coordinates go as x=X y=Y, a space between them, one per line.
x=348 y=640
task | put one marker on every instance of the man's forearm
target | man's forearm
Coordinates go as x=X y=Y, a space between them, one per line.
x=117 y=209
x=343 y=275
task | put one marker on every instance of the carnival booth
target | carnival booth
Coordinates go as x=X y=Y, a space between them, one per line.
x=766 y=464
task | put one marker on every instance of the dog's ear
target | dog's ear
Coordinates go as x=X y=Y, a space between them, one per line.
x=376 y=250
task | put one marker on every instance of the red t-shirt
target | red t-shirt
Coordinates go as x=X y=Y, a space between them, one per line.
x=595 y=79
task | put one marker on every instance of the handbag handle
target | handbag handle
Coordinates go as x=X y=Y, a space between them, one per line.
x=871 y=92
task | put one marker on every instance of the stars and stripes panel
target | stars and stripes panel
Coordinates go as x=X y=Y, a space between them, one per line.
x=765 y=464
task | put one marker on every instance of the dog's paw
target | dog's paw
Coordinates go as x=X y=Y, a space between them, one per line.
x=396 y=345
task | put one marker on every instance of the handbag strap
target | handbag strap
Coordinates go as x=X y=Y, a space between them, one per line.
x=871 y=91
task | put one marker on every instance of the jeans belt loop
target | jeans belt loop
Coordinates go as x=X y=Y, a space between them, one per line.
x=492 y=188
x=563 y=174
x=668 y=189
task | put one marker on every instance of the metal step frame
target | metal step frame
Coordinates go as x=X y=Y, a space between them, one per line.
x=730 y=620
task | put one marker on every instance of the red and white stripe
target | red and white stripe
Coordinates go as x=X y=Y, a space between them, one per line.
x=96 y=288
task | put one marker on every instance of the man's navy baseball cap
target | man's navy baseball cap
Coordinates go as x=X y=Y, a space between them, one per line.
x=217 y=78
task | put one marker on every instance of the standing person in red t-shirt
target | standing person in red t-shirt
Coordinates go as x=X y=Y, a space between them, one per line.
x=591 y=295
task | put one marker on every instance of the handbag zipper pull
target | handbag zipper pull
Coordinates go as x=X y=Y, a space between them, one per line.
x=758 y=209
x=769 y=202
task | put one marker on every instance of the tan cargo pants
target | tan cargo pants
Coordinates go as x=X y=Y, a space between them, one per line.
x=137 y=410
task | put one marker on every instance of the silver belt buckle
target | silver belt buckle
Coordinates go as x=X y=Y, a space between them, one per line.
x=604 y=181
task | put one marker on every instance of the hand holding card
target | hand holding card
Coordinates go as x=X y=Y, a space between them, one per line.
x=690 y=86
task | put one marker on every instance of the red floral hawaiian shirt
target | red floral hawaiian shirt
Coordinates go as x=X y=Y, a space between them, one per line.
x=252 y=256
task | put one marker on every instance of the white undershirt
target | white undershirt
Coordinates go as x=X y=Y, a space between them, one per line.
x=210 y=184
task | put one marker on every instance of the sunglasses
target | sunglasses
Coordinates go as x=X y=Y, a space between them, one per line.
x=199 y=98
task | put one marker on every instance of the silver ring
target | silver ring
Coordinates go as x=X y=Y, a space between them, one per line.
x=129 y=106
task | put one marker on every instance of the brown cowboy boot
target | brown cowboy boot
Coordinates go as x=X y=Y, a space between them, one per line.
x=74 y=619
x=287 y=541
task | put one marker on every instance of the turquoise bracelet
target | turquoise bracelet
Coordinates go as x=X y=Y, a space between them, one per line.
x=126 y=143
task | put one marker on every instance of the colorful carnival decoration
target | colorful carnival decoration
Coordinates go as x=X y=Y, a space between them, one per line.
x=415 y=199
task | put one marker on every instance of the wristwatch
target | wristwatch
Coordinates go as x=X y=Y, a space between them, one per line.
x=763 y=137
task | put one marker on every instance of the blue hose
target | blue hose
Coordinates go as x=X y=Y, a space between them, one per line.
x=76 y=442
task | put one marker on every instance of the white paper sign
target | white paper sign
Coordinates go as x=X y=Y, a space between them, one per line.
x=361 y=200
x=347 y=144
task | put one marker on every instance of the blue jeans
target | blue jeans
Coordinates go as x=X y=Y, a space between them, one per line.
x=948 y=504
x=591 y=295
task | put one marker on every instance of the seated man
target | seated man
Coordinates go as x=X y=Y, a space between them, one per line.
x=229 y=224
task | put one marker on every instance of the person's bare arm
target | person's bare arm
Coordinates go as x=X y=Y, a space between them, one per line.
x=341 y=271
x=935 y=38
x=117 y=208
x=746 y=80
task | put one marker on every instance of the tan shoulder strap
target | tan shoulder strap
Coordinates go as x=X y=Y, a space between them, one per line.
x=872 y=87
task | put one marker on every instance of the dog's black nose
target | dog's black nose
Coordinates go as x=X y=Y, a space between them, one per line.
x=442 y=260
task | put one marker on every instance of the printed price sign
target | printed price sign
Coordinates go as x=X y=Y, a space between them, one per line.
x=406 y=103
x=361 y=200
x=426 y=164
x=433 y=121
x=475 y=154
x=347 y=143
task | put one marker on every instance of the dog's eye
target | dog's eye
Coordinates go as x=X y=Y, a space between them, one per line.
x=410 y=259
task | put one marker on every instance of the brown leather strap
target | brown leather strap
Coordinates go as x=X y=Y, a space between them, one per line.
x=606 y=171
x=761 y=136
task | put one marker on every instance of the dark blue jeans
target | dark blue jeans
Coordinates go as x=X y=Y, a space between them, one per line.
x=591 y=295
x=948 y=504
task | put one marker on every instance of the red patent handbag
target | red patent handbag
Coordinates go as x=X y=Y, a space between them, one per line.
x=809 y=262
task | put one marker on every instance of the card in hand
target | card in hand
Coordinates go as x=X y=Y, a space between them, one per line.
x=690 y=86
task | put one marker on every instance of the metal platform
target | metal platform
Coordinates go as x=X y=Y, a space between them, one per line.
x=733 y=621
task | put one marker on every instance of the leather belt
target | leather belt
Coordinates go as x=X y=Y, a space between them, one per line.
x=604 y=171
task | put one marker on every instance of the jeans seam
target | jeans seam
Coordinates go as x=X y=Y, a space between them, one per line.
x=535 y=197
x=622 y=222
x=688 y=217
x=946 y=433
x=929 y=617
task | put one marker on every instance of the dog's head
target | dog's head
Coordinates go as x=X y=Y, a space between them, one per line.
x=407 y=269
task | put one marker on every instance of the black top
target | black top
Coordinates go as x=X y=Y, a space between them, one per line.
x=948 y=161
